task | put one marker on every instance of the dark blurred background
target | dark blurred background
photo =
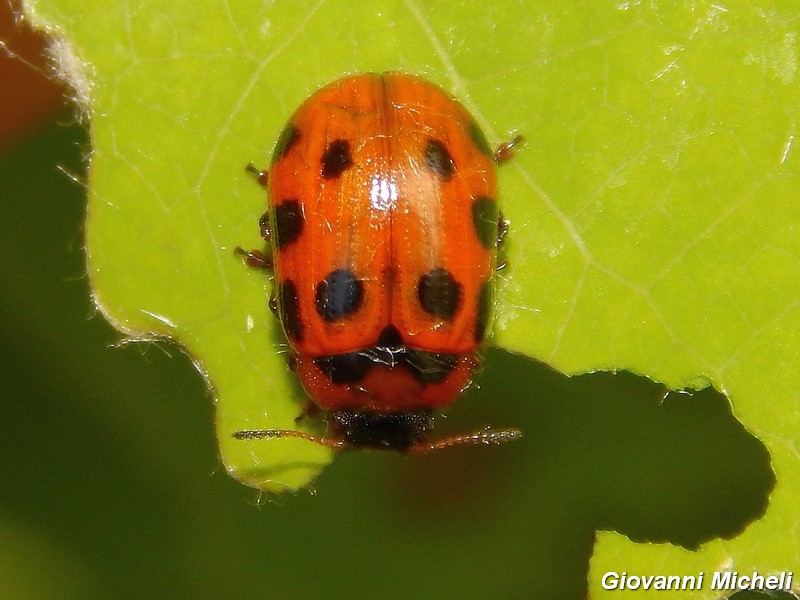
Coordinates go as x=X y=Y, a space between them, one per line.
x=111 y=486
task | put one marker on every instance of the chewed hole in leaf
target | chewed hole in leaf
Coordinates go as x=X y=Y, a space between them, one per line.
x=678 y=469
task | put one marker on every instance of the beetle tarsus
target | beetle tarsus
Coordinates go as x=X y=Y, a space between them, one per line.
x=255 y=258
x=262 y=175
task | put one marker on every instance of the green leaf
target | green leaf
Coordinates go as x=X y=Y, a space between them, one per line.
x=654 y=224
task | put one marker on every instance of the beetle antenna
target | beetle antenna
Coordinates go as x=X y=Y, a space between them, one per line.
x=260 y=434
x=486 y=436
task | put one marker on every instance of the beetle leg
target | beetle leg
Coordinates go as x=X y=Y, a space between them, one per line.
x=255 y=258
x=263 y=226
x=273 y=302
x=310 y=410
x=506 y=149
x=502 y=229
x=260 y=174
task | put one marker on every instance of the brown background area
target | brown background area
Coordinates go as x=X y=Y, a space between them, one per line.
x=29 y=95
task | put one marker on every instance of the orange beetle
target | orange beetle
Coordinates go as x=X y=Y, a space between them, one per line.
x=384 y=225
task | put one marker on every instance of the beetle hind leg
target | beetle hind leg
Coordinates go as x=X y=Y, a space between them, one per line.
x=506 y=149
x=255 y=258
x=261 y=175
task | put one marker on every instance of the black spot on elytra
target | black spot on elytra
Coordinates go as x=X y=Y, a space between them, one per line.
x=438 y=159
x=345 y=369
x=289 y=222
x=350 y=368
x=477 y=137
x=289 y=310
x=336 y=159
x=387 y=431
x=439 y=293
x=485 y=217
x=430 y=367
x=339 y=295
x=286 y=140
x=485 y=298
x=390 y=337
